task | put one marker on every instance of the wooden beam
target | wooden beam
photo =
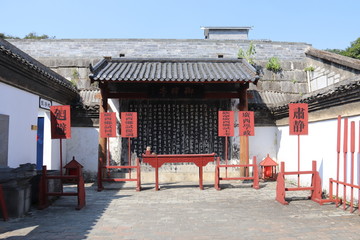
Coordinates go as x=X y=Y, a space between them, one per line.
x=244 y=146
x=142 y=95
x=103 y=107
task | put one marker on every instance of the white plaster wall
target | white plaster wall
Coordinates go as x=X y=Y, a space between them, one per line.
x=320 y=145
x=264 y=142
x=22 y=107
x=83 y=145
x=115 y=142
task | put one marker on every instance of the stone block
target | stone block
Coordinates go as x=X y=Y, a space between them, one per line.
x=17 y=199
x=271 y=86
x=288 y=87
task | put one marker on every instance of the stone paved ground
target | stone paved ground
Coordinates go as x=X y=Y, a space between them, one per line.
x=182 y=211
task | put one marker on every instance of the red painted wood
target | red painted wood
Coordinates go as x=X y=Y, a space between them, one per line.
x=157 y=161
x=255 y=176
x=3 y=205
x=60 y=122
x=129 y=125
x=226 y=123
x=298 y=118
x=246 y=123
x=107 y=124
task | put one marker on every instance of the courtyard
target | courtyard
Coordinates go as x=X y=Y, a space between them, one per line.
x=182 y=211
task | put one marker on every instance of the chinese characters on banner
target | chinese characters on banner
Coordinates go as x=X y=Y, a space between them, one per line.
x=107 y=124
x=129 y=124
x=246 y=123
x=60 y=122
x=298 y=118
x=226 y=123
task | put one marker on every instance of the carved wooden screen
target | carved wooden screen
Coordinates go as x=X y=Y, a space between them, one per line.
x=177 y=127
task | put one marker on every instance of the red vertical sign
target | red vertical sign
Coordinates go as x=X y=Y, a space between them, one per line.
x=246 y=123
x=298 y=118
x=60 y=122
x=226 y=124
x=129 y=124
x=107 y=124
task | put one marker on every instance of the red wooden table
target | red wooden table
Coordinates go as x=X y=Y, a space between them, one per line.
x=157 y=161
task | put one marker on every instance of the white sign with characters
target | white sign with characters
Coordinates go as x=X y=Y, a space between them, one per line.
x=44 y=104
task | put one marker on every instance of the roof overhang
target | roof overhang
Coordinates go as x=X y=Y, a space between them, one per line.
x=168 y=70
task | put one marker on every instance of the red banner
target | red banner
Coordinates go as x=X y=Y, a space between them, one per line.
x=298 y=118
x=129 y=124
x=246 y=123
x=60 y=122
x=226 y=123
x=107 y=124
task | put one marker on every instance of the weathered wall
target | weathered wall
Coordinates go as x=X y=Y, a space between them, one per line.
x=71 y=57
x=329 y=68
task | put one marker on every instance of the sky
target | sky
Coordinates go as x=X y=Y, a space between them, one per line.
x=330 y=24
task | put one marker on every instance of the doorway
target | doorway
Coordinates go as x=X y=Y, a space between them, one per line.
x=40 y=143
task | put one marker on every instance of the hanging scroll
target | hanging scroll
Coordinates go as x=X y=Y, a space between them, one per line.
x=298 y=118
x=226 y=123
x=246 y=123
x=129 y=125
x=60 y=122
x=107 y=124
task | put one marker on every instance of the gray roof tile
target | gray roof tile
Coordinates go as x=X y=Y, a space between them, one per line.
x=174 y=70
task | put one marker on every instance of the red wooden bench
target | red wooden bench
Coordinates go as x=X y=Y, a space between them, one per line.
x=157 y=161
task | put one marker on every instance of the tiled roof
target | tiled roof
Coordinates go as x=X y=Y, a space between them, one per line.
x=173 y=70
x=270 y=98
x=343 y=92
x=89 y=97
x=30 y=63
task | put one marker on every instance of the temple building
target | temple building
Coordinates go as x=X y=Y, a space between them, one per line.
x=177 y=86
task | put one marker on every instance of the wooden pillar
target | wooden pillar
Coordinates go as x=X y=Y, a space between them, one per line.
x=243 y=106
x=103 y=107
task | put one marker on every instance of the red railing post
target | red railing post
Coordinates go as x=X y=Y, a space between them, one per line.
x=331 y=190
x=282 y=167
x=138 y=175
x=338 y=157
x=316 y=184
x=352 y=150
x=345 y=158
x=217 y=174
x=3 y=205
x=80 y=189
x=99 y=175
x=43 y=189
x=256 y=174
x=157 y=175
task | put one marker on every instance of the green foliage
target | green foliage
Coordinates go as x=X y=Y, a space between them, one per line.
x=273 y=65
x=337 y=51
x=248 y=55
x=4 y=36
x=33 y=35
x=353 y=51
x=309 y=69
x=75 y=76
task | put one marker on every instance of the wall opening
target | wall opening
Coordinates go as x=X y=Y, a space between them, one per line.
x=4 y=140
